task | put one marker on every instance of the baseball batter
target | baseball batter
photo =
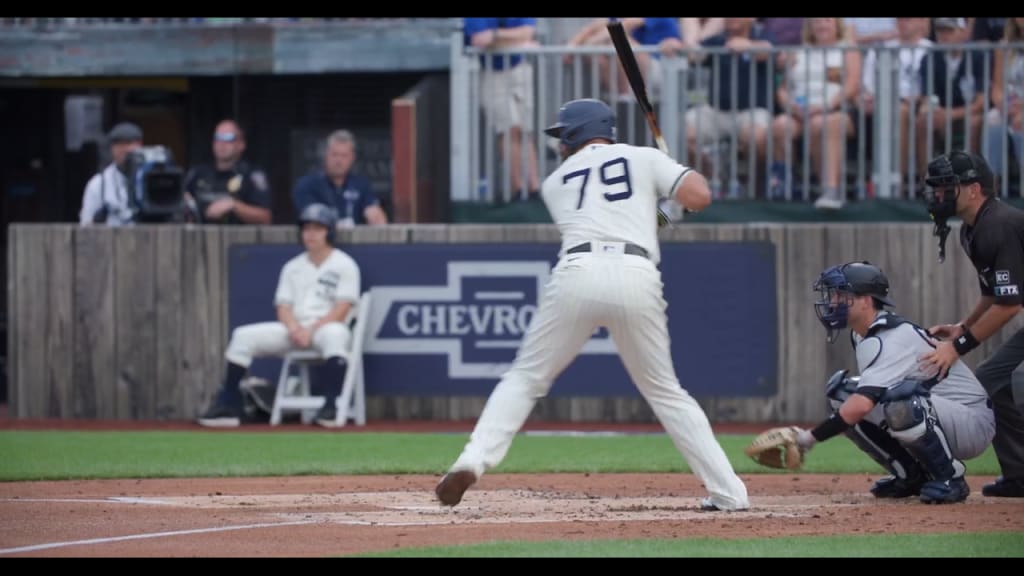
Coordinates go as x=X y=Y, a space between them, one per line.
x=918 y=427
x=315 y=294
x=604 y=199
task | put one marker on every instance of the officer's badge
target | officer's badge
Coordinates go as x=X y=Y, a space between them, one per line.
x=235 y=184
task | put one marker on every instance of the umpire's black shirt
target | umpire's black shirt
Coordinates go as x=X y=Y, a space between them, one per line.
x=243 y=182
x=995 y=245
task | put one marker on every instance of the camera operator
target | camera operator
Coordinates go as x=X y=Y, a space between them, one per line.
x=106 y=199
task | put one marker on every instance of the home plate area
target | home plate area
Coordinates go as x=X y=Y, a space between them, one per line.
x=502 y=507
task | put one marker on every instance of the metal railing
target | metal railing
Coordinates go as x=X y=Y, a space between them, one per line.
x=44 y=24
x=880 y=156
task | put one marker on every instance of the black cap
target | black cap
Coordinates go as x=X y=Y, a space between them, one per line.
x=125 y=132
x=967 y=167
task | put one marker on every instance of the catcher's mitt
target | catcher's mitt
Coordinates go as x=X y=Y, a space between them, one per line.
x=777 y=448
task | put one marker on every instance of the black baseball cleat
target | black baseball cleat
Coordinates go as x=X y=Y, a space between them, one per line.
x=893 y=487
x=220 y=416
x=327 y=416
x=708 y=505
x=945 y=491
x=454 y=484
x=1004 y=488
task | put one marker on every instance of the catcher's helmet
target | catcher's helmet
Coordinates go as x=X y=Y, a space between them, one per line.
x=321 y=214
x=583 y=120
x=858 y=278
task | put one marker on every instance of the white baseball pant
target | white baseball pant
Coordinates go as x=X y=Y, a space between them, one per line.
x=623 y=293
x=271 y=339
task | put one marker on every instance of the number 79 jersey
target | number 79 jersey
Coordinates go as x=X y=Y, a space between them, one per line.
x=610 y=192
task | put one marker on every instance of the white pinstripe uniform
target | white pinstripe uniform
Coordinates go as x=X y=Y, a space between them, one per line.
x=606 y=195
x=312 y=291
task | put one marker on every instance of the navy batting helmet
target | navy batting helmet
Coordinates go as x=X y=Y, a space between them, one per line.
x=583 y=120
x=321 y=214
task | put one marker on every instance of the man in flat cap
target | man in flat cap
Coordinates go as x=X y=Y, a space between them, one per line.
x=106 y=195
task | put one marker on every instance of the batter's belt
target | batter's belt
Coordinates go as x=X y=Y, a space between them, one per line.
x=631 y=249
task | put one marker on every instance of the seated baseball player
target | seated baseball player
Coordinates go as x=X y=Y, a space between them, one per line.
x=315 y=293
x=916 y=426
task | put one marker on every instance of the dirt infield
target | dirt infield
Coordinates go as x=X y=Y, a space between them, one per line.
x=332 y=515
x=322 y=516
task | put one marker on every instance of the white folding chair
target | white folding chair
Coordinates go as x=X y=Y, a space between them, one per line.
x=294 y=395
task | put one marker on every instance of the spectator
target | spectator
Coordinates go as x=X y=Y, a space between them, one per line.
x=986 y=29
x=106 y=200
x=750 y=112
x=953 y=90
x=873 y=31
x=784 y=31
x=1006 y=119
x=315 y=294
x=230 y=191
x=696 y=30
x=819 y=85
x=661 y=32
x=507 y=94
x=337 y=186
x=913 y=45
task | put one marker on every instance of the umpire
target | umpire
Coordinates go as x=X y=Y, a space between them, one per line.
x=992 y=236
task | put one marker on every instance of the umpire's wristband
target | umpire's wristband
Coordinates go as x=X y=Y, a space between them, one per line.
x=965 y=343
x=833 y=426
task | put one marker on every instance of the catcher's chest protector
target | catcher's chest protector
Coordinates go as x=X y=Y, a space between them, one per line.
x=886 y=321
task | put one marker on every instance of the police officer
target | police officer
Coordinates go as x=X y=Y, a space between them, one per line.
x=230 y=191
x=992 y=236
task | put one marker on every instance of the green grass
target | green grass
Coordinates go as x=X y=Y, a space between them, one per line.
x=60 y=455
x=995 y=544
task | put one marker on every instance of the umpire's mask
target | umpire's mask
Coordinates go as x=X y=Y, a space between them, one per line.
x=943 y=188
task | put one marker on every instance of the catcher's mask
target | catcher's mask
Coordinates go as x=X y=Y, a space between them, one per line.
x=838 y=284
x=582 y=120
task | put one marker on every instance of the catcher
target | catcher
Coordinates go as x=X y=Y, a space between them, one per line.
x=918 y=427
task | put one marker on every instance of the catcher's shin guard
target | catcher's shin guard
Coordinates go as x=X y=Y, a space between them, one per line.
x=891 y=455
x=915 y=426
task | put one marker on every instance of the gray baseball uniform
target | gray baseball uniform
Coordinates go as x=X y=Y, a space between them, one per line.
x=889 y=357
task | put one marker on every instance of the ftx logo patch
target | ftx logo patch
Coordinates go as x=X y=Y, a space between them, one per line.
x=1010 y=290
x=477 y=319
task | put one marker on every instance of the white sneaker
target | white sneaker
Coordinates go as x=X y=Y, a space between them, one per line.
x=828 y=203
